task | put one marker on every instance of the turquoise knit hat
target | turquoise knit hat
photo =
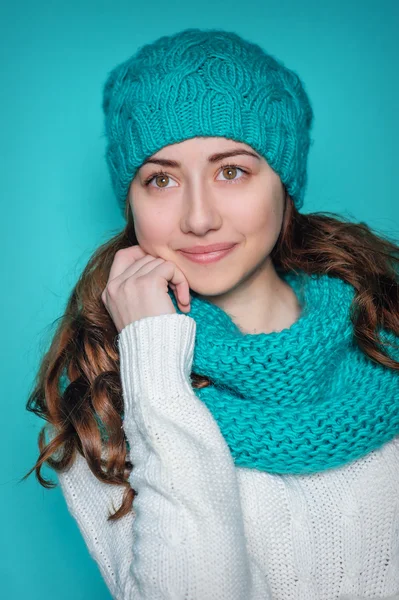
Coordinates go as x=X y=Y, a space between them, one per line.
x=205 y=83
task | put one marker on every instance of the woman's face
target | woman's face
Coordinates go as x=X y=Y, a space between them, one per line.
x=204 y=199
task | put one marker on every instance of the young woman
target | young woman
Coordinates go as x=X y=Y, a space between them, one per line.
x=222 y=392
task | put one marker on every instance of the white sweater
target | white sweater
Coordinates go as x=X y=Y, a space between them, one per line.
x=203 y=529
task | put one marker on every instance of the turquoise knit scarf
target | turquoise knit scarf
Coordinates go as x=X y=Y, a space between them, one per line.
x=301 y=400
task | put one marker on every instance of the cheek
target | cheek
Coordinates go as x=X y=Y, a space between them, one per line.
x=152 y=228
x=263 y=218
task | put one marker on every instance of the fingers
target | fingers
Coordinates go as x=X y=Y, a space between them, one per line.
x=135 y=261
x=124 y=258
x=176 y=277
x=166 y=269
x=139 y=267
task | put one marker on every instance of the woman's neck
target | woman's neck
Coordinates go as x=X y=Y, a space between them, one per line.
x=285 y=310
x=262 y=303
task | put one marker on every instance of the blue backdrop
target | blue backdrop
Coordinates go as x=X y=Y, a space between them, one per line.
x=57 y=203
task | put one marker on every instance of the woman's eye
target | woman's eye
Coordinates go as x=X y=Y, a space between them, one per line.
x=161 y=179
x=230 y=170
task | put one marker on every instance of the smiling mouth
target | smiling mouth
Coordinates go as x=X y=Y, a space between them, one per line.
x=207 y=257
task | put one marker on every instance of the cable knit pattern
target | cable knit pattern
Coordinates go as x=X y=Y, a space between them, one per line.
x=203 y=528
x=206 y=82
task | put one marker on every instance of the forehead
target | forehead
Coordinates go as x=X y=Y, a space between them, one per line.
x=211 y=149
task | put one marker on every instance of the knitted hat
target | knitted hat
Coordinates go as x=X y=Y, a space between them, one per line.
x=205 y=83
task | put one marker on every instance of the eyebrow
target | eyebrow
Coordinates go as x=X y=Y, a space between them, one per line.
x=212 y=158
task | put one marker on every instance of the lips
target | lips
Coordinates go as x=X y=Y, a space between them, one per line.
x=207 y=257
x=207 y=249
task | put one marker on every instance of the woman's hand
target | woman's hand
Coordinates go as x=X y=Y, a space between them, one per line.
x=137 y=287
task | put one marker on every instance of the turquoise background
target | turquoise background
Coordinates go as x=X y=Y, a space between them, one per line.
x=57 y=203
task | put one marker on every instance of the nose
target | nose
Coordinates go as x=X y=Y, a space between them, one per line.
x=201 y=212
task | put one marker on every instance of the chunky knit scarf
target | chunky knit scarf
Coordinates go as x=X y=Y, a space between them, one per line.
x=300 y=400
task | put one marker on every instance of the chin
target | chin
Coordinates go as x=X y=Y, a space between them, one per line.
x=213 y=288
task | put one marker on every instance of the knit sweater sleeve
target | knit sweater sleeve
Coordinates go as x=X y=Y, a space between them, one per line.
x=187 y=537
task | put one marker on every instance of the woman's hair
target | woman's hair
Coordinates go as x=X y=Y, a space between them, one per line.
x=83 y=351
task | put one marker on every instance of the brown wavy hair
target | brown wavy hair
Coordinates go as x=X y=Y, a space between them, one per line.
x=83 y=351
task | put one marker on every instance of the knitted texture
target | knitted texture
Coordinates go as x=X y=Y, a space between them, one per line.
x=202 y=528
x=313 y=399
x=205 y=83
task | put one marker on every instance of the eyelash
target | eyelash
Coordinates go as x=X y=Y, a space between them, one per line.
x=158 y=173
